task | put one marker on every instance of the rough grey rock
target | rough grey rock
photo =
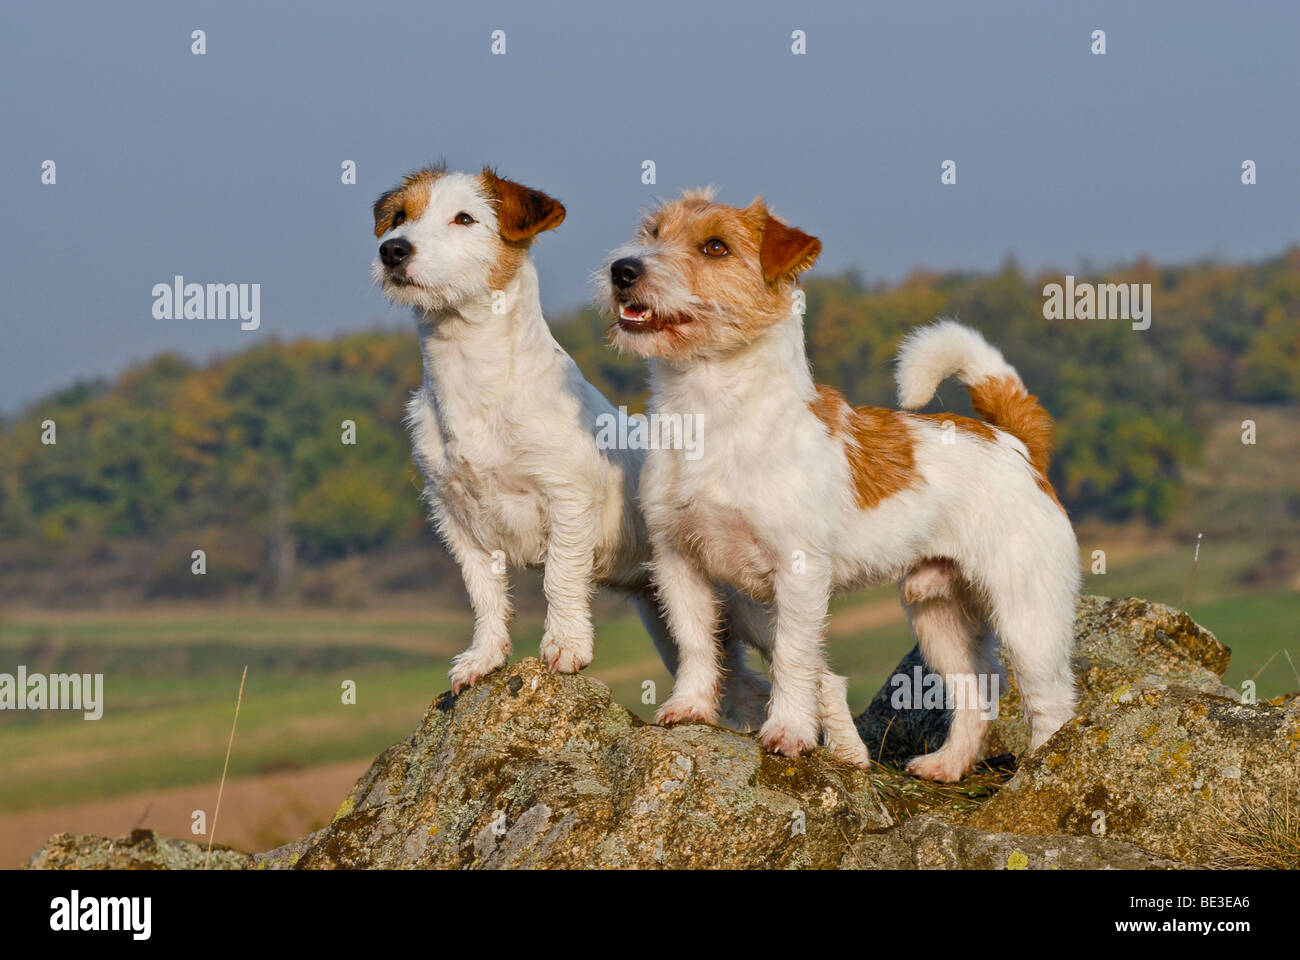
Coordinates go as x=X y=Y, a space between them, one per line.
x=141 y=850
x=1189 y=775
x=928 y=842
x=531 y=769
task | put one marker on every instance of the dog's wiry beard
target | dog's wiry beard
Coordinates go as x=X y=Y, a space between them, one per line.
x=421 y=296
x=669 y=314
x=683 y=326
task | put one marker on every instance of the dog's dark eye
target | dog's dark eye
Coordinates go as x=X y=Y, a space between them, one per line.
x=654 y=232
x=464 y=219
x=715 y=247
x=399 y=218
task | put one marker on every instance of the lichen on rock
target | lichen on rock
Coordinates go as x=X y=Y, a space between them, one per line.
x=139 y=850
x=1168 y=769
x=534 y=769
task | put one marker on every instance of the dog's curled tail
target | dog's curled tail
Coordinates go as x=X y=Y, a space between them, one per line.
x=933 y=353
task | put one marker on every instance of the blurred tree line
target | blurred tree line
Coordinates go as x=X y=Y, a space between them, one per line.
x=250 y=445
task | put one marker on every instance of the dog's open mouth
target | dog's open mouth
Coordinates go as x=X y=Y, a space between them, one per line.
x=636 y=318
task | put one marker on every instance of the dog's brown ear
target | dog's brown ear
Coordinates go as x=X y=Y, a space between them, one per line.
x=384 y=210
x=786 y=251
x=522 y=213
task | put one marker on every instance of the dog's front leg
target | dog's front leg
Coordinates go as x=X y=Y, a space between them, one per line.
x=488 y=586
x=797 y=661
x=570 y=554
x=691 y=607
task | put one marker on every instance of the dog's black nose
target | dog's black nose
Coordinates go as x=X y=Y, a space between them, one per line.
x=392 y=252
x=623 y=273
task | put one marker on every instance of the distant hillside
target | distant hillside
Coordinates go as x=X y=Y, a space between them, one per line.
x=243 y=455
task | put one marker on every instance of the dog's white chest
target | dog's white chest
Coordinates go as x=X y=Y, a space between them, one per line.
x=708 y=519
x=502 y=509
x=472 y=485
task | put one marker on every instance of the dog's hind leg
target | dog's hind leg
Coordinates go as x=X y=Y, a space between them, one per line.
x=1037 y=630
x=955 y=644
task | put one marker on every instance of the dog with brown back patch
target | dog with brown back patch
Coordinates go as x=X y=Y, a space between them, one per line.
x=504 y=429
x=794 y=495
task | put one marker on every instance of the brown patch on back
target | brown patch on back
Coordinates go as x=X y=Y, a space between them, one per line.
x=877 y=444
x=977 y=428
x=411 y=197
x=830 y=407
x=1005 y=403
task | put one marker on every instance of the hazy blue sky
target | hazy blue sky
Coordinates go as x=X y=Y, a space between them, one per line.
x=225 y=167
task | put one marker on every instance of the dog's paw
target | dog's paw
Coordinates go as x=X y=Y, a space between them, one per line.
x=939 y=766
x=852 y=751
x=472 y=665
x=680 y=710
x=565 y=654
x=786 y=739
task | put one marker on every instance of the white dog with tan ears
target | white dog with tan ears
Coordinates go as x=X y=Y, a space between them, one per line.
x=798 y=495
x=504 y=428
